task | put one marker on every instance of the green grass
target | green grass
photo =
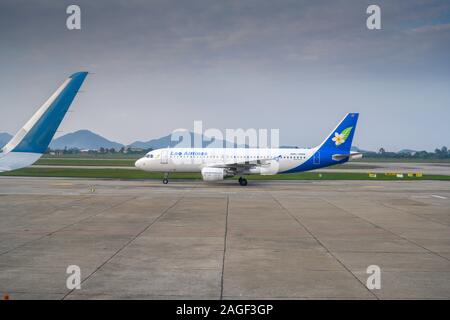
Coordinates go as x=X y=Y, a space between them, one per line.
x=137 y=174
x=86 y=162
x=113 y=156
x=130 y=163
x=406 y=160
x=354 y=166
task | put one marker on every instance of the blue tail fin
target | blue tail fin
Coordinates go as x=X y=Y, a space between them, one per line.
x=340 y=139
x=36 y=134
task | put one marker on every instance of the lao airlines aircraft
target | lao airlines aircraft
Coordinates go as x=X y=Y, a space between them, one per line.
x=32 y=140
x=216 y=164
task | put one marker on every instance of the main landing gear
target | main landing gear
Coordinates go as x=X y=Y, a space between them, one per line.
x=242 y=181
x=166 y=178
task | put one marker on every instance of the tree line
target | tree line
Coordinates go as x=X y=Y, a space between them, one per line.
x=439 y=153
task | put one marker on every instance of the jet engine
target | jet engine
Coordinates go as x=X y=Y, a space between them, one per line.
x=267 y=169
x=215 y=174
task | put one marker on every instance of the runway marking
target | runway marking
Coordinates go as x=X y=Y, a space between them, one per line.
x=373 y=187
x=439 y=197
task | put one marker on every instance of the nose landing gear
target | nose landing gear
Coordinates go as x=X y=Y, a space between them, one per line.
x=166 y=178
x=242 y=181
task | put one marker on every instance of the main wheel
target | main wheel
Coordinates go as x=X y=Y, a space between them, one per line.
x=243 y=182
x=165 y=181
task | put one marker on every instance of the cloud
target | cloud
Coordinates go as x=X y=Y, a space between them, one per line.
x=432 y=28
x=228 y=63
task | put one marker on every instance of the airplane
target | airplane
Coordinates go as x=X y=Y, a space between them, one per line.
x=216 y=164
x=32 y=140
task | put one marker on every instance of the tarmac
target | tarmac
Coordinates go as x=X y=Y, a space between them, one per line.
x=193 y=240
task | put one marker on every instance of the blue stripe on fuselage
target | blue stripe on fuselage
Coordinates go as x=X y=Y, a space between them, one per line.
x=325 y=157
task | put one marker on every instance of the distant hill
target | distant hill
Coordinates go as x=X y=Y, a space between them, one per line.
x=165 y=142
x=83 y=139
x=4 y=138
x=408 y=151
x=153 y=143
x=356 y=149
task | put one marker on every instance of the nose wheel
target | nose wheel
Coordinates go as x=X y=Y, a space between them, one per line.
x=166 y=178
x=242 y=181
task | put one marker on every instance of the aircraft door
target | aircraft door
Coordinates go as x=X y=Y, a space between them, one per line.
x=164 y=157
x=316 y=158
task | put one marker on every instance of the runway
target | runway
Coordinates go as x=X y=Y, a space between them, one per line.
x=189 y=239
x=398 y=167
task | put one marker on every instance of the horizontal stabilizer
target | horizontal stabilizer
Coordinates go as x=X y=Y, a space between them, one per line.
x=351 y=155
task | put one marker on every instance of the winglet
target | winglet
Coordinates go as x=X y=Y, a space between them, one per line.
x=36 y=134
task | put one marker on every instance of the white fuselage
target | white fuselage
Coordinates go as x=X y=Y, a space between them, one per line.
x=266 y=161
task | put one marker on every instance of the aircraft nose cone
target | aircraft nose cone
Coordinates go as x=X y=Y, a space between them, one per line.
x=138 y=164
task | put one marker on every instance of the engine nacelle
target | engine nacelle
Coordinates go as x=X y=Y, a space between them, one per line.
x=268 y=169
x=213 y=174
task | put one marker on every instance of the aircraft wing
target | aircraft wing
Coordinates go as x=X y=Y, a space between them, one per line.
x=245 y=164
x=32 y=140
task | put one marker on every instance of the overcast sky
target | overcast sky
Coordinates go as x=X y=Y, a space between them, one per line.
x=299 y=66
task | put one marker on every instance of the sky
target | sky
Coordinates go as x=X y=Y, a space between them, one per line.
x=297 y=66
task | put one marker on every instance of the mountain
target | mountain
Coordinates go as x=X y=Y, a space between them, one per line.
x=153 y=143
x=166 y=141
x=4 y=138
x=83 y=139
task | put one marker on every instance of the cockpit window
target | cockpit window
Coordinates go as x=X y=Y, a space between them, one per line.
x=149 y=156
